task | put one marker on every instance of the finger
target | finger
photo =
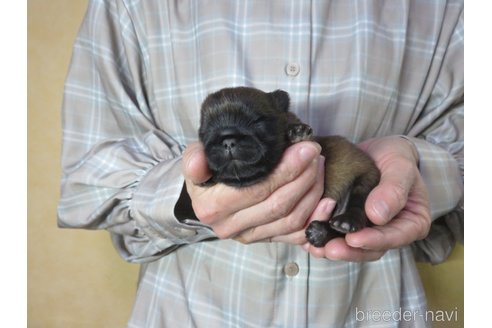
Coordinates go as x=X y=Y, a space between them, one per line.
x=195 y=167
x=338 y=250
x=389 y=197
x=228 y=200
x=254 y=222
x=397 y=233
x=322 y=212
x=291 y=227
x=413 y=223
x=295 y=160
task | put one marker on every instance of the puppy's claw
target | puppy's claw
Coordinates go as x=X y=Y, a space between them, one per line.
x=345 y=223
x=299 y=132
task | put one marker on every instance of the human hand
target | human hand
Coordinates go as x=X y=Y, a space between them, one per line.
x=398 y=206
x=276 y=209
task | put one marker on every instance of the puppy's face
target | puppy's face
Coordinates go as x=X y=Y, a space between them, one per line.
x=244 y=133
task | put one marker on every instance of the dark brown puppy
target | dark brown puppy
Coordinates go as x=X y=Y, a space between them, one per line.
x=245 y=131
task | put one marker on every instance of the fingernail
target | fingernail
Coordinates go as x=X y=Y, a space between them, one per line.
x=307 y=153
x=328 y=206
x=381 y=209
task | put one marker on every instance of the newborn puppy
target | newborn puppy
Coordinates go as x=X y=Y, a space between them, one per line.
x=245 y=132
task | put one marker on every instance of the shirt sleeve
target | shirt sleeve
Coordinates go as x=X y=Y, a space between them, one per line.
x=120 y=171
x=438 y=135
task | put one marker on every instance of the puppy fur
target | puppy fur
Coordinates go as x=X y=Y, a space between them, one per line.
x=245 y=132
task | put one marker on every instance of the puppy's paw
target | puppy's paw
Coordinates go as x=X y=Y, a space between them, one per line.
x=299 y=132
x=348 y=222
x=319 y=233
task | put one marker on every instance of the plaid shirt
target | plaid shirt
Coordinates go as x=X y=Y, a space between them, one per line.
x=362 y=69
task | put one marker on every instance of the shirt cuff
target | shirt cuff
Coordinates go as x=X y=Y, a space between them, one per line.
x=153 y=206
x=441 y=174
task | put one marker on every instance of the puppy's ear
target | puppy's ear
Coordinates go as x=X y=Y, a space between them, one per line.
x=281 y=99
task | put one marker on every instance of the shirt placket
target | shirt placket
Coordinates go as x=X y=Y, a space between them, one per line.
x=297 y=72
x=297 y=65
x=295 y=272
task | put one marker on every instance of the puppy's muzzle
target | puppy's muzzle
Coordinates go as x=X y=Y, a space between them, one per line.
x=230 y=138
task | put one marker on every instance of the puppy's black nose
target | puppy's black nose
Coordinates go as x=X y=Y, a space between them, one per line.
x=229 y=144
x=229 y=140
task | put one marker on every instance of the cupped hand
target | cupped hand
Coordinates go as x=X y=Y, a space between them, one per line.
x=276 y=209
x=398 y=206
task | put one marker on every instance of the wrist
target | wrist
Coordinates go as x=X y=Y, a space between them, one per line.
x=441 y=174
x=413 y=149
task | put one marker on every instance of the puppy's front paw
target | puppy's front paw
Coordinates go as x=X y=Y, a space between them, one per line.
x=299 y=132
x=348 y=222
x=319 y=233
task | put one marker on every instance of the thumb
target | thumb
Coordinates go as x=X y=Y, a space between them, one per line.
x=390 y=196
x=194 y=165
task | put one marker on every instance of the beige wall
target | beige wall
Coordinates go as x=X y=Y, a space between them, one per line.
x=75 y=278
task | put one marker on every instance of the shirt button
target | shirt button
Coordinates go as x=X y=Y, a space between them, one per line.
x=292 y=69
x=291 y=269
